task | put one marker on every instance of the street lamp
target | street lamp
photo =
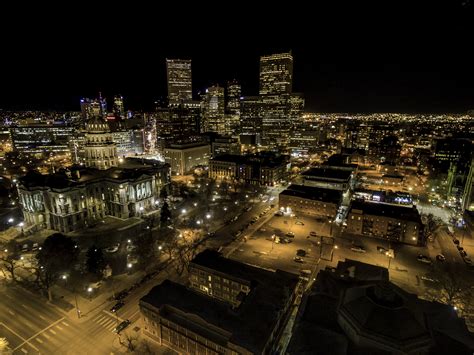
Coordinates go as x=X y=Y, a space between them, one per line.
x=11 y=220
x=208 y=216
x=183 y=211
x=89 y=291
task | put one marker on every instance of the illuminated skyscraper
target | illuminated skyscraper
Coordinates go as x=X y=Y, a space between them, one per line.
x=93 y=108
x=119 y=110
x=212 y=104
x=233 y=97
x=179 y=80
x=276 y=74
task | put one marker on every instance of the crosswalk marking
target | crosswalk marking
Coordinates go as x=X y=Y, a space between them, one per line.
x=67 y=325
x=24 y=350
x=99 y=318
x=52 y=331
x=103 y=321
x=39 y=340
x=108 y=324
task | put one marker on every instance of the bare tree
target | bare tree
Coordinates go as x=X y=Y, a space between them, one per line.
x=452 y=288
x=130 y=342
x=9 y=261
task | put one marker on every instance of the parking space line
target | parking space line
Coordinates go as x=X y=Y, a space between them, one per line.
x=59 y=327
x=39 y=340
x=42 y=317
x=67 y=325
x=24 y=351
x=52 y=331
x=46 y=336
x=11 y=312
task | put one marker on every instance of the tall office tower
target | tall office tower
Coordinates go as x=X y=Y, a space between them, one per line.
x=276 y=122
x=179 y=80
x=212 y=104
x=118 y=108
x=251 y=113
x=296 y=102
x=276 y=74
x=233 y=97
x=93 y=108
x=232 y=118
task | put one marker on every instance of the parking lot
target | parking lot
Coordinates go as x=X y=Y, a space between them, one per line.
x=262 y=250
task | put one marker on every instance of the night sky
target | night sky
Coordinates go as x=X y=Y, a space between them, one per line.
x=395 y=57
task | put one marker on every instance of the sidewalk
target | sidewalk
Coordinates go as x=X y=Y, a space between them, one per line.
x=67 y=300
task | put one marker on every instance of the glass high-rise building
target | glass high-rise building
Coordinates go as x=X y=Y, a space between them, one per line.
x=276 y=74
x=179 y=80
x=118 y=107
x=213 y=110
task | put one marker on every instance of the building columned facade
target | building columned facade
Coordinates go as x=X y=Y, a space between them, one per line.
x=100 y=149
x=72 y=199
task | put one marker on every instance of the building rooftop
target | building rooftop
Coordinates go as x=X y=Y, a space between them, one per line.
x=314 y=193
x=188 y=145
x=373 y=309
x=327 y=174
x=387 y=210
x=251 y=324
x=131 y=169
x=263 y=158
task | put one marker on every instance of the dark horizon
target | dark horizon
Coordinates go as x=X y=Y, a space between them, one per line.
x=406 y=58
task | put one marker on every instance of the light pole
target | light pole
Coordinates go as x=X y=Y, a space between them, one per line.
x=89 y=291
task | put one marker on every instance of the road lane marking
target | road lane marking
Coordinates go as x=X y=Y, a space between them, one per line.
x=19 y=336
x=52 y=331
x=67 y=325
x=39 y=340
x=27 y=341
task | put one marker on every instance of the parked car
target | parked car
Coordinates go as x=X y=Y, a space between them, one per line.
x=117 y=306
x=301 y=252
x=298 y=259
x=278 y=214
x=467 y=260
x=382 y=250
x=299 y=223
x=440 y=257
x=122 y=326
x=463 y=253
x=358 y=249
x=460 y=248
x=112 y=249
x=121 y=295
x=285 y=241
x=290 y=234
x=424 y=259
x=313 y=234
x=456 y=241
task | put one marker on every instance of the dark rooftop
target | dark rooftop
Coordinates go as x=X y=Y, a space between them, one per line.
x=387 y=210
x=251 y=324
x=66 y=178
x=264 y=159
x=327 y=174
x=314 y=193
x=376 y=309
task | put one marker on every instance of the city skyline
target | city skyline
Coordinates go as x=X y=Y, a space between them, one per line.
x=409 y=58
